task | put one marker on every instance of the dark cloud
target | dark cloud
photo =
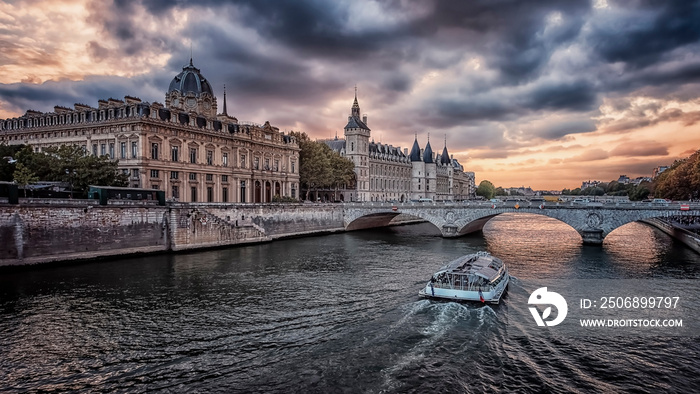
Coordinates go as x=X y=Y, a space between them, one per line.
x=543 y=70
x=641 y=33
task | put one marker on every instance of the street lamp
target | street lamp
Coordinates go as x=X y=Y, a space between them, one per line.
x=70 y=174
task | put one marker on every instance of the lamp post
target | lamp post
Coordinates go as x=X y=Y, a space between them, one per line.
x=70 y=174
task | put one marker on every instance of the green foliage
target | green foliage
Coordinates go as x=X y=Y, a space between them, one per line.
x=681 y=181
x=486 y=189
x=68 y=163
x=320 y=167
x=500 y=192
x=24 y=176
x=7 y=153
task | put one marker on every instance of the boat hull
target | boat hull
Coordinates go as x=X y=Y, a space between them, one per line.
x=491 y=297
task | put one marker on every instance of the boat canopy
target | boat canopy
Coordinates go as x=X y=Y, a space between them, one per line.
x=481 y=264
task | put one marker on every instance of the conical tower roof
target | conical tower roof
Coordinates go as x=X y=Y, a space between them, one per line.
x=415 y=151
x=428 y=154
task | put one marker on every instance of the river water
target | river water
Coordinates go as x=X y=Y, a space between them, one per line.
x=336 y=313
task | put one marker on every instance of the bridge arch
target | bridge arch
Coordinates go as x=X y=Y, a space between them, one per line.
x=593 y=223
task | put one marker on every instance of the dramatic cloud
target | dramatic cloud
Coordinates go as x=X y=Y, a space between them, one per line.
x=519 y=90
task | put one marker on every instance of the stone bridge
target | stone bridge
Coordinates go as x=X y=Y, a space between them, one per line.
x=593 y=221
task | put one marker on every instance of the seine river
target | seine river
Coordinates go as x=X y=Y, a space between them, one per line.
x=337 y=313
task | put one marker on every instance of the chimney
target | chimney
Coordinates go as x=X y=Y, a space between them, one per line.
x=405 y=151
x=364 y=118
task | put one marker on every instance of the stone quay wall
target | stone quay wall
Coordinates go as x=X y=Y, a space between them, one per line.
x=77 y=230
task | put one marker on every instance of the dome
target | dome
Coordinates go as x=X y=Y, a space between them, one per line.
x=190 y=80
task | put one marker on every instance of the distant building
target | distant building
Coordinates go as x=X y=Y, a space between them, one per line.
x=519 y=191
x=638 y=180
x=589 y=183
x=384 y=172
x=658 y=170
x=183 y=147
x=623 y=179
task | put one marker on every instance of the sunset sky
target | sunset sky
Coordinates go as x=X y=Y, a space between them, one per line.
x=527 y=93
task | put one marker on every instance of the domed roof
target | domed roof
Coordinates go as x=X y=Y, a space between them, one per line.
x=190 y=80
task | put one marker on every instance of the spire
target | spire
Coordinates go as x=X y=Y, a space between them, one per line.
x=355 y=111
x=225 y=113
x=191 y=65
x=445 y=157
x=415 y=150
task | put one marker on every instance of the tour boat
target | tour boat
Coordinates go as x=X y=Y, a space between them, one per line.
x=474 y=277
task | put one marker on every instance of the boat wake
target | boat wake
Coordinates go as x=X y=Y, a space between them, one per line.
x=433 y=321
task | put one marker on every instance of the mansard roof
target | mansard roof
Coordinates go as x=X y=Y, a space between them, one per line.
x=336 y=144
x=386 y=149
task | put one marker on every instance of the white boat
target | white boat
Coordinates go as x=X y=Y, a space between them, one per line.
x=474 y=277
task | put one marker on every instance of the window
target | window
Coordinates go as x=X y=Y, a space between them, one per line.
x=352 y=147
x=94 y=149
x=135 y=173
x=256 y=163
x=154 y=187
x=210 y=194
x=111 y=150
x=277 y=165
x=193 y=194
x=210 y=177
x=175 y=153
x=267 y=164
x=176 y=192
x=224 y=159
x=242 y=191
x=154 y=151
x=224 y=194
x=174 y=175
x=224 y=178
x=193 y=155
x=293 y=165
x=210 y=157
x=134 y=150
x=103 y=149
x=122 y=150
x=193 y=176
x=242 y=161
x=154 y=173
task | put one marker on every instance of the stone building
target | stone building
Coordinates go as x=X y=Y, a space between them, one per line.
x=387 y=173
x=183 y=147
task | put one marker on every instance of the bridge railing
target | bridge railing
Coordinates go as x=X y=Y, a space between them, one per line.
x=673 y=205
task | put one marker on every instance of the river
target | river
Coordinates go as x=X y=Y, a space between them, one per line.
x=336 y=313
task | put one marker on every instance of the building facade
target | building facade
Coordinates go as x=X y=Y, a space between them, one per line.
x=387 y=173
x=183 y=147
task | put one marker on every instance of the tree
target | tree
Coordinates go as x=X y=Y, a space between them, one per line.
x=486 y=189
x=320 y=167
x=8 y=155
x=23 y=176
x=681 y=181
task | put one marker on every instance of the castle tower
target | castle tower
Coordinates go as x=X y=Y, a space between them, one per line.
x=357 y=149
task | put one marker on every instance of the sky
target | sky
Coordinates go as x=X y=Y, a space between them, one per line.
x=544 y=94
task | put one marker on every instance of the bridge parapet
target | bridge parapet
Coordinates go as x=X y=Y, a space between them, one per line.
x=593 y=220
